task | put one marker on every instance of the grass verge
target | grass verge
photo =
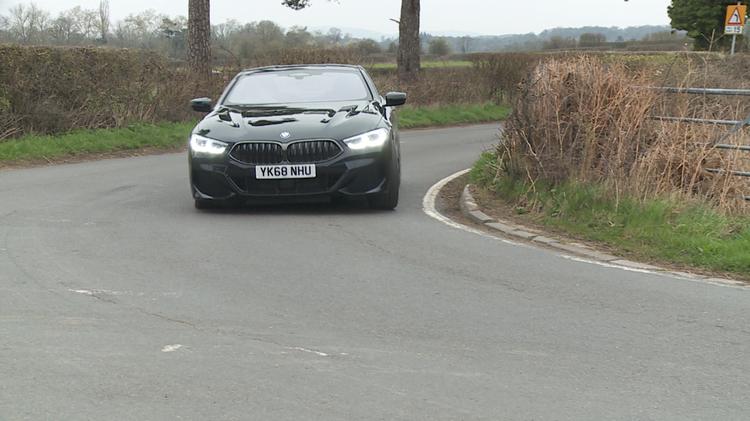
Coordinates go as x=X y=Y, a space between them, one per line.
x=691 y=235
x=446 y=115
x=168 y=136
x=433 y=64
x=92 y=142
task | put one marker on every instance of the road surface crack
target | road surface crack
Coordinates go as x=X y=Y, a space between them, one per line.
x=170 y=319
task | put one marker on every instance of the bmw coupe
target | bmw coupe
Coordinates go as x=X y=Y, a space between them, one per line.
x=297 y=133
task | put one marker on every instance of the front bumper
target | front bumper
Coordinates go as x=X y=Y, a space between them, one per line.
x=351 y=174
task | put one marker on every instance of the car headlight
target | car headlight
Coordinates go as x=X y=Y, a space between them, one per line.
x=373 y=140
x=201 y=145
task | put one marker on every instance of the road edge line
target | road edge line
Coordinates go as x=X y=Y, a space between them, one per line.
x=429 y=207
x=471 y=210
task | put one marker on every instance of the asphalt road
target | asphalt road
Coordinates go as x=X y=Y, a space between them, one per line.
x=119 y=301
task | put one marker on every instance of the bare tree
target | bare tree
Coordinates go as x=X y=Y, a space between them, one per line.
x=27 y=23
x=409 y=44
x=103 y=23
x=335 y=36
x=40 y=21
x=139 y=30
x=74 y=26
x=199 y=37
x=20 y=23
x=85 y=21
x=465 y=44
x=63 y=29
x=199 y=33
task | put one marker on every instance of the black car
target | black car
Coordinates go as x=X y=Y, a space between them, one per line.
x=298 y=133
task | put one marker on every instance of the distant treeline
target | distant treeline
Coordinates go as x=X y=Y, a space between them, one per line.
x=238 y=42
x=568 y=38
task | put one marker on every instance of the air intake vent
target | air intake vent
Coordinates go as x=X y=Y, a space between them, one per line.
x=267 y=153
x=310 y=152
x=258 y=153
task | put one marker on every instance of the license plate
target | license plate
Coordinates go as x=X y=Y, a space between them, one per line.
x=279 y=172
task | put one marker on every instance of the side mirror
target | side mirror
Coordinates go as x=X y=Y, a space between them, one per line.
x=202 y=105
x=395 y=99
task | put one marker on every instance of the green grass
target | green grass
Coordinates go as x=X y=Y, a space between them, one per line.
x=427 y=64
x=415 y=117
x=665 y=230
x=171 y=135
x=84 y=142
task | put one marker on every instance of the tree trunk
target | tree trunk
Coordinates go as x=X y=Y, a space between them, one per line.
x=409 y=45
x=103 y=23
x=199 y=38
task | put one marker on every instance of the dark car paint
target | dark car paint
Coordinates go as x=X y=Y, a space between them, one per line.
x=319 y=120
x=337 y=125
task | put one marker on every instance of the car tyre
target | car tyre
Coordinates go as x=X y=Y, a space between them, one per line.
x=388 y=200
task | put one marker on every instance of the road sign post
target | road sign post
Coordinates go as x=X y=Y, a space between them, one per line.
x=735 y=22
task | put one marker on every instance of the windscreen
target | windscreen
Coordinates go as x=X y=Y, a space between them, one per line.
x=298 y=86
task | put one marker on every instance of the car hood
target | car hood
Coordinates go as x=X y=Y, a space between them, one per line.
x=339 y=120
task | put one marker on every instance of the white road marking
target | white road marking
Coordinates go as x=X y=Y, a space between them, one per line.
x=722 y=283
x=171 y=348
x=309 y=351
x=92 y=292
x=429 y=207
x=82 y=291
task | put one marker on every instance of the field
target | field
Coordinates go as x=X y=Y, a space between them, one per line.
x=427 y=64
x=446 y=115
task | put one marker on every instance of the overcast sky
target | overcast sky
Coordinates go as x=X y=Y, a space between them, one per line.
x=487 y=17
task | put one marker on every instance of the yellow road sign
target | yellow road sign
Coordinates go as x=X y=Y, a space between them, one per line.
x=736 y=15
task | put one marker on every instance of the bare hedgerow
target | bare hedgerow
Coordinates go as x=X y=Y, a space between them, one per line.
x=439 y=86
x=505 y=71
x=48 y=90
x=582 y=120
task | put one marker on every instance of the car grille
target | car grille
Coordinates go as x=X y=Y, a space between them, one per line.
x=312 y=151
x=258 y=153
x=266 y=153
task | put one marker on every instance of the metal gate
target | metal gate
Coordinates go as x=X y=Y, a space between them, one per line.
x=737 y=125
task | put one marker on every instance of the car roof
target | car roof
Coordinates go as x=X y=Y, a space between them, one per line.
x=302 y=66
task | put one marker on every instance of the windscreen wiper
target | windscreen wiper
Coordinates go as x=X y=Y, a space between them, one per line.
x=252 y=111
x=266 y=122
